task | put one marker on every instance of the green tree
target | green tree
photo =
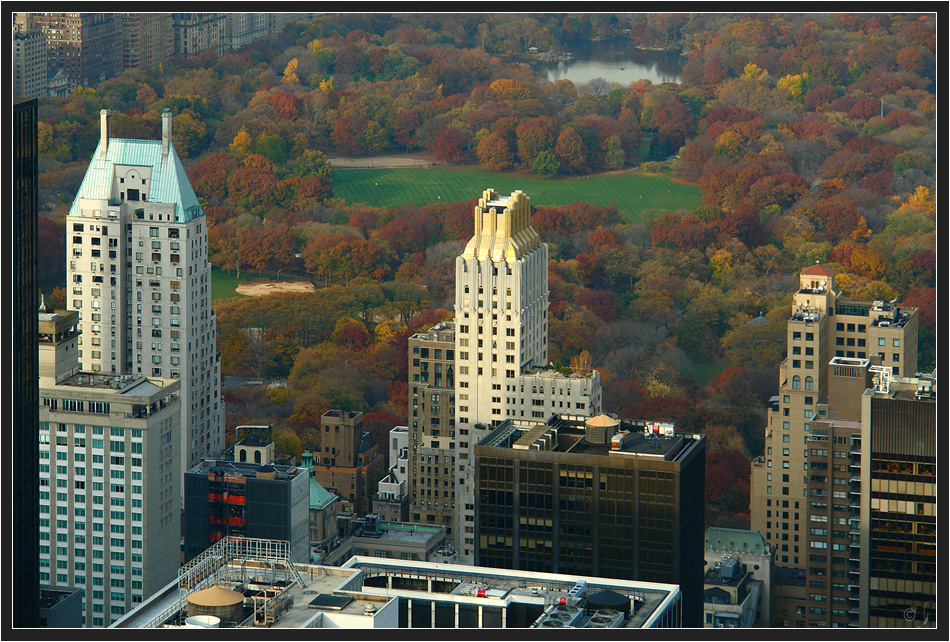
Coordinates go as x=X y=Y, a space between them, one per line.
x=615 y=154
x=373 y=138
x=546 y=165
x=313 y=162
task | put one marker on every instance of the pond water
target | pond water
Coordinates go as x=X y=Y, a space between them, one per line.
x=615 y=60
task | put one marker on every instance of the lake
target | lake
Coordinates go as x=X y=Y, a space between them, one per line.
x=604 y=59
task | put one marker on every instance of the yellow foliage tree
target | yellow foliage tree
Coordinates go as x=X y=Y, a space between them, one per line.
x=241 y=146
x=326 y=85
x=796 y=85
x=753 y=72
x=921 y=200
x=290 y=73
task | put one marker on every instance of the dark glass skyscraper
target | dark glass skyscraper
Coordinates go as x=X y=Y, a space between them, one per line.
x=26 y=575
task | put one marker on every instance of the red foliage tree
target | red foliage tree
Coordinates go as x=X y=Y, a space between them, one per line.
x=601 y=237
x=345 y=135
x=603 y=303
x=285 y=104
x=450 y=146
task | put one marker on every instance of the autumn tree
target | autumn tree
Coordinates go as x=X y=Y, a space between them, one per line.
x=571 y=151
x=494 y=153
x=450 y=146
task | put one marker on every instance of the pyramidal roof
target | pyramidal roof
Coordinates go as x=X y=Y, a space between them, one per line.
x=818 y=270
x=735 y=540
x=168 y=184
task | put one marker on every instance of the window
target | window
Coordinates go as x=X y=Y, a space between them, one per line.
x=796 y=382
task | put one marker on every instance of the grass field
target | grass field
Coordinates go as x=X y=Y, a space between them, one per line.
x=632 y=191
x=223 y=284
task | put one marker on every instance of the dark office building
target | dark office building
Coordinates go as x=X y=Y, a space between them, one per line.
x=268 y=501
x=897 y=585
x=595 y=497
x=25 y=357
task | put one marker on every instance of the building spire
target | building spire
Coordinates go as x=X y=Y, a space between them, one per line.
x=502 y=227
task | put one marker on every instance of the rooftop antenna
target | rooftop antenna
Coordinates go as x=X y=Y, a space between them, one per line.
x=43 y=302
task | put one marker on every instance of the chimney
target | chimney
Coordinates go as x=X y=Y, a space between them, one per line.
x=104 y=132
x=166 y=130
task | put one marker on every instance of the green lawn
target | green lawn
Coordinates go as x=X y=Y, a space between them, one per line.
x=632 y=191
x=223 y=284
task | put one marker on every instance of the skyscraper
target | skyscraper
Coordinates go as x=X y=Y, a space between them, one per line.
x=432 y=429
x=26 y=582
x=138 y=274
x=501 y=367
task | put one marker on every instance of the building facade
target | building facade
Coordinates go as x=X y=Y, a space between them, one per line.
x=87 y=46
x=897 y=581
x=244 y=499
x=604 y=498
x=750 y=550
x=109 y=491
x=25 y=429
x=433 y=441
x=193 y=32
x=501 y=342
x=822 y=326
x=392 y=500
x=138 y=274
x=29 y=58
x=147 y=40
x=346 y=463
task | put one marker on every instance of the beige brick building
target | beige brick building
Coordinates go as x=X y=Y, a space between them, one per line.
x=832 y=345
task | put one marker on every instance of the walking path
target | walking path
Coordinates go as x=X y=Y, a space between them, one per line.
x=382 y=162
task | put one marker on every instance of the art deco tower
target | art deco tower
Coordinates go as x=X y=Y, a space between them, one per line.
x=501 y=344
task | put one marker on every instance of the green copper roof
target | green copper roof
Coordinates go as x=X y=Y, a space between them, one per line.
x=735 y=540
x=169 y=183
x=320 y=496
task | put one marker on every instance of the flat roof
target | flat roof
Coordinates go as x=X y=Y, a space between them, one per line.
x=242 y=468
x=342 y=590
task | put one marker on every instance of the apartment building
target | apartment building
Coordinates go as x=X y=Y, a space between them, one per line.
x=87 y=46
x=346 y=463
x=139 y=277
x=822 y=326
x=147 y=40
x=109 y=487
x=29 y=58
x=433 y=442
x=392 y=500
